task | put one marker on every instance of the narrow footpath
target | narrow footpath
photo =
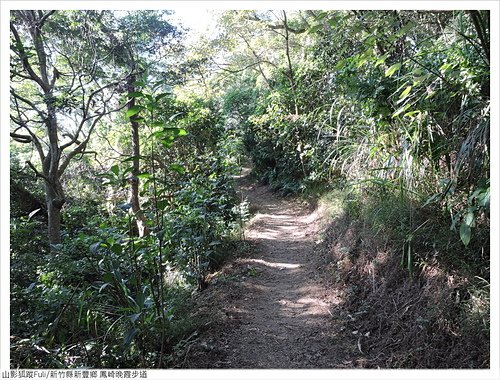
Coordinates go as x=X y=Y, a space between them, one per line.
x=271 y=307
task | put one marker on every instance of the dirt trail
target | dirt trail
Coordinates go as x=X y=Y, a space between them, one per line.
x=274 y=310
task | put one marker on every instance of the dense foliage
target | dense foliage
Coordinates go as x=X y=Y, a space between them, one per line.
x=105 y=295
x=391 y=107
x=393 y=103
x=137 y=139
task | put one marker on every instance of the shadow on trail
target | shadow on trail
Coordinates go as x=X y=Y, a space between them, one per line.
x=349 y=304
x=274 y=310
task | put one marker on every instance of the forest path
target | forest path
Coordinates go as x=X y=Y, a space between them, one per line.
x=274 y=309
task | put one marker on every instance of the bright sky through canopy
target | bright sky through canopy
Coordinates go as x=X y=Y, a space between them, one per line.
x=195 y=19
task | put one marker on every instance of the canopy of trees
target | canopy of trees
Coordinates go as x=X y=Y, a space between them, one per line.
x=125 y=142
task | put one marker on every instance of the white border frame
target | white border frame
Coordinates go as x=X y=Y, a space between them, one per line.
x=492 y=5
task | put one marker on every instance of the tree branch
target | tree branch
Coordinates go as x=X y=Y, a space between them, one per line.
x=254 y=17
x=290 y=67
x=260 y=60
x=86 y=109
x=23 y=124
x=24 y=60
x=28 y=102
x=37 y=173
x=236 y=71
x=45 y=17
x=23 y=139
x=36 y=32
x=80 y=148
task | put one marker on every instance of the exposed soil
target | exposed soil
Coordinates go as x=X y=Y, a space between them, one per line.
x=270 y=308
x=306 y=295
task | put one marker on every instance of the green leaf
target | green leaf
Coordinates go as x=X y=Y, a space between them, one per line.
x=177 y=132
x=116 y=248
x=178 y=168
x=127 y=339
x=356 y=29
x=406 y=28
x=411 y=113
x=401 y=110
x=134 y=110
x=392 y=37
x=469 y=218
x=381 y=60
x=143 y=175
x=162 y=204
x=315 y=28
x=483 y=199
x=321 y=15
x=340 y=64
x=333 y=21
x=405 y=93
x=136 y=94
x=115 y=169
x=157 y=134
x=419 y=79
x=361 y=62
x=162 y=95
x=445 y=67
x=465 y=233
x=391 y=70
x=168 y=142
x=134 y=317
x=152 y=106
x=140 y=300
x=371 y=40
x=108 y=277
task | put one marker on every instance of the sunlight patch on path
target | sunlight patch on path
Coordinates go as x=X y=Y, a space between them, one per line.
x=273 y=265
x=261 y=216
x=305 y=306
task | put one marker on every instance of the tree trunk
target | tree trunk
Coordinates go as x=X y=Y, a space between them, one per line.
x=291 y=76
x=37 y=67
x=142 y=226
x=54 y=197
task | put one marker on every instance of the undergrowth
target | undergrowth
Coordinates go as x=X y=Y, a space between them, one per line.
x=431 y=311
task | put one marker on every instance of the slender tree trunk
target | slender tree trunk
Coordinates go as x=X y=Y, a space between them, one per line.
x=290 y=68
x=38 y=68
x=54 y=197
x=54 y=193
x=142 y=226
